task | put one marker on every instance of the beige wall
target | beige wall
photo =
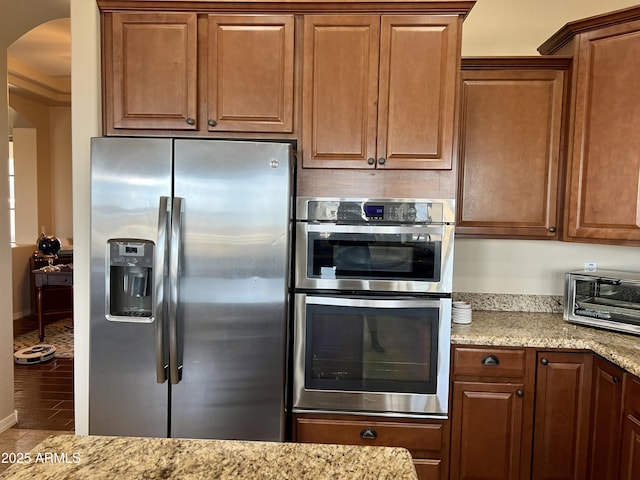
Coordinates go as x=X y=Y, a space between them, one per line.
x=16 y=18
x=21 y=275
x=52 y=189
x=519 y=27
x=53 y=133
x=85 y=114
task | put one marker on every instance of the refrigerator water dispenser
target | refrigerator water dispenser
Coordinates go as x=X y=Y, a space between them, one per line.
x=129 y=280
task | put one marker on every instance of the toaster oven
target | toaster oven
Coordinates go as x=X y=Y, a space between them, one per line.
x=605 y=298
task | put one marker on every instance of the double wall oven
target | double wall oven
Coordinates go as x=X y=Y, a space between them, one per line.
x=373 y=281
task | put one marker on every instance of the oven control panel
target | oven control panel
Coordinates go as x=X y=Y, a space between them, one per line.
x=376 y=211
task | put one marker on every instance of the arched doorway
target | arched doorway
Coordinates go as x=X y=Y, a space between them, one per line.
x=31 y=96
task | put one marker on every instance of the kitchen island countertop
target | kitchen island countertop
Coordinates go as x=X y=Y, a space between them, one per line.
x=99 y=457
x=547 y=330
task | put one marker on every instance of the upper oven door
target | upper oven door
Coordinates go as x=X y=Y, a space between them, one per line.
x=383 y=258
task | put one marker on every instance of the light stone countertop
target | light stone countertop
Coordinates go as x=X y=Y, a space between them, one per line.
x=547 y=330
x=124 y=458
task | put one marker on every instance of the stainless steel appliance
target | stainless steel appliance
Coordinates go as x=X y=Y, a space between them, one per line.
x=409 y=244
x=604 y=298
x=190 y=242
x=373 y=305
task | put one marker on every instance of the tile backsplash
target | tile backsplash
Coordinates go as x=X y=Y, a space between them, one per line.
x=512 y=302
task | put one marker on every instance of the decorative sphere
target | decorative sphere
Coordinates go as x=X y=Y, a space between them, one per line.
x=49 y=244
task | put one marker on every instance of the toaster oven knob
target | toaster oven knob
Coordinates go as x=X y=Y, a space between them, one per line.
x=368 y=434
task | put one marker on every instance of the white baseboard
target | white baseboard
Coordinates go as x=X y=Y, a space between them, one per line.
x=8 y=422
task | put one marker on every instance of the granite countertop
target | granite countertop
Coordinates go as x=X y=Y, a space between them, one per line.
x=123 y=458
x=547 y=330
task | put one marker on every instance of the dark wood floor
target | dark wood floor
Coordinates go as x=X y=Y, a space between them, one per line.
x=43 y=391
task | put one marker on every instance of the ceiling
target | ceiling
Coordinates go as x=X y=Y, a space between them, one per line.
x=39 y=63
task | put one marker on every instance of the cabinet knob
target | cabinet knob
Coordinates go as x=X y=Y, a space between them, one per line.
x=212 y=122
x=368 y=434
x=552 y=229
x=371 y=161
x=490 y=360
x=381 y=161
x=544 y=361
x=191 y=121
x=616 y=379
x=520 y=393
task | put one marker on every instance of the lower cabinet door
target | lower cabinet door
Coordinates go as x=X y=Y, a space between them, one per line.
x=630 y=461
x=561 y=425
x=605 y=420
x=487 y=430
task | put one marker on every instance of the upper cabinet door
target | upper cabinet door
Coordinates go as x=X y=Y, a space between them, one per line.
x=340 y=90
x=510 y=150
x=604 y=174
x=151 y=71
x=379 y=92
x=250 y=73
x=419 y=60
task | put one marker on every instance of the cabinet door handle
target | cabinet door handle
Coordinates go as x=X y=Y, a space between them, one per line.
x=381 y=161
x=191 y=121
x=212 y=122
x=552 y=229
x=544 y=361
x=371 y=161
x=490 y=360
x=615 y=379
x=368 y=433
x=520 y=393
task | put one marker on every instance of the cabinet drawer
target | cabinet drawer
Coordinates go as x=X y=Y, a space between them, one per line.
x=489 y=362
x=412 y=436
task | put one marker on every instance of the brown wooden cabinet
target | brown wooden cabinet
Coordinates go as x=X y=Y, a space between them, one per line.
x=603 y=176
x=562 y=408
x=250 y=72
x=492 y=408
x=426 y=440
x=168 y=72
x=150 y=68
x=510 y=146
x=379 y=91
x=630 y=459
x=606 y=417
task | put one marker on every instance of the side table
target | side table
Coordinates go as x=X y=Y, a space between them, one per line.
x=63 y=277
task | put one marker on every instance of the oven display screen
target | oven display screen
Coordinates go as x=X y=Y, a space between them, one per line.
x=374 y=211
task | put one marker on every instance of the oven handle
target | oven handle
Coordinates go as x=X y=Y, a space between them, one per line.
x=378 y=229
x=367 y=302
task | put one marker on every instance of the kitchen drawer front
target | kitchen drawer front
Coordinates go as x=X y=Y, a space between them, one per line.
x=489 y=362
x=412 y=436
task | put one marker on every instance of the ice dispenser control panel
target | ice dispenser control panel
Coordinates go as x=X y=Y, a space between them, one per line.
x=129 y=280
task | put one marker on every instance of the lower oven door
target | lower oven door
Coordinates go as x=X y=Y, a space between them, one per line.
x=372 y=354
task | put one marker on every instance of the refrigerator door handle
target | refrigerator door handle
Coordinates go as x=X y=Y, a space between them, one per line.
x=175 y=355
x=159 y=279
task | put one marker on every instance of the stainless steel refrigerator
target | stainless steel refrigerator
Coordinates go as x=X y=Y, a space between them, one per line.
x=190 y=244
